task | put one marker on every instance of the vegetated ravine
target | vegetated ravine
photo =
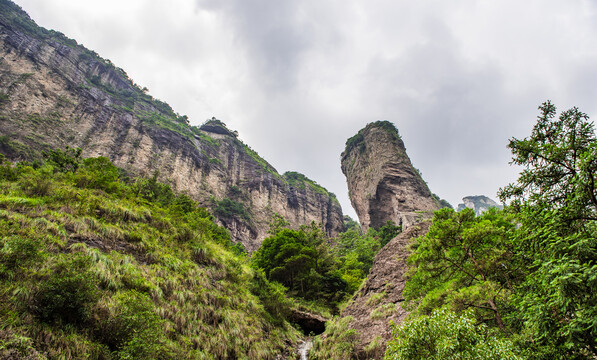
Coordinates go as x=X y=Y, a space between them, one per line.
x=128 y=233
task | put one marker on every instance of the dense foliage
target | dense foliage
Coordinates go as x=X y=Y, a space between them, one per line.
x=445 y=335
x=555 y=200
x=461 y=263
x=96 y=265
x=527 y=275
x=315 y=268
x=358 y=140
x=356 y=251
x=301 y=261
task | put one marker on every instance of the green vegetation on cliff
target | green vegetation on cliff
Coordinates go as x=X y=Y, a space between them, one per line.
x=301 y=260
x=300 y=181
x=315 y=268
x=358 y=139
x=96 y=265
x=99 y=73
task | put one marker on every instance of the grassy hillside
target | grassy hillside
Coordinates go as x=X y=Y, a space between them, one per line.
x=96 y=265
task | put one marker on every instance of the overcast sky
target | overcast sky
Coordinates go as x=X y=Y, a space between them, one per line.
x=298 y=78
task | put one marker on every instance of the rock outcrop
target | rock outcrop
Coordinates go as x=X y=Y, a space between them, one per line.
x=54 y=92
x=383 y=185
x=479 y=203
x=379 y=301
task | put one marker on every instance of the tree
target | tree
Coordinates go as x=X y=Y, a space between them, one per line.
x=64 y=161
x=388 y=232
x=98 y=173
x=463 y=262
x=301 y=261
x=555 y=202
x=560 y=166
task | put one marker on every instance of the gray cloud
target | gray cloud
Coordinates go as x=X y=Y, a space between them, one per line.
x=299 y=78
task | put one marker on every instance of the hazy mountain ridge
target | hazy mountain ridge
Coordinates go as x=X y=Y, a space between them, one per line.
x=479 y=203
x=54 y=92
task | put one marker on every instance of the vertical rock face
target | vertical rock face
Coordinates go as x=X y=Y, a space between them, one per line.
x=54 y=92
x=383 y=185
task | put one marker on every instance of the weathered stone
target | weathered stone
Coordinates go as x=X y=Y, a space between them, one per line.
x=383 y=185
x=479 y=203
x=309 y=323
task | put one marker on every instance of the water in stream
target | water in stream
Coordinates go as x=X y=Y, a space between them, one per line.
x=304 y=348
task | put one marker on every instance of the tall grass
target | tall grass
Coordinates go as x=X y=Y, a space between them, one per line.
x=105 y=273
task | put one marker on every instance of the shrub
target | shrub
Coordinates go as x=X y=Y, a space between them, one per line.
x=16 y=252
x=98 y=173
x=130 y=327
x=337 y=342
x=36 y=183
x=68 y=294
x=6 y=169
x=64 y=161
x=446 y=335
x=272 y=295
x=231 y=209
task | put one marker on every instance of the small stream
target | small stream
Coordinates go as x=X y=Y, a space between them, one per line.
x=304 y=347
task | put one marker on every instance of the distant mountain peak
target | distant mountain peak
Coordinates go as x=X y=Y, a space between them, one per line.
x=479 y=203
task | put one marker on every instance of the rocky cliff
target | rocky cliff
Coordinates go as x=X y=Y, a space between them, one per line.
x=383 y=185
x=54 y=92
x=479 y=203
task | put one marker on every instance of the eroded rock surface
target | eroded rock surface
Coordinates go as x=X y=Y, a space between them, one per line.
x=383 y=185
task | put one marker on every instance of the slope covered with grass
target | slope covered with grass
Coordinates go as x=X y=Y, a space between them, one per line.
x=96 y=265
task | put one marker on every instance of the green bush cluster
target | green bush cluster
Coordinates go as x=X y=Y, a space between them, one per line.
x=300 y=181
x=446 y=335
x=230 y=209
x=301 y=260
x=315 y=268
x=338 y=343
x=358 y=140
x=356 y=251
x=68 y=293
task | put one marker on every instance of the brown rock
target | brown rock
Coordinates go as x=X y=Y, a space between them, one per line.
x=383 y=185
x=379 y=301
